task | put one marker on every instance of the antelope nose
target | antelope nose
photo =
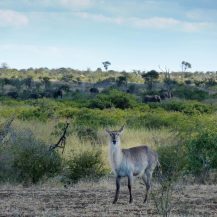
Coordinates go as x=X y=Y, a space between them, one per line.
x=114 y=142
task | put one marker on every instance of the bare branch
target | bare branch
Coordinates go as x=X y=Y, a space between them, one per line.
x=62 y=141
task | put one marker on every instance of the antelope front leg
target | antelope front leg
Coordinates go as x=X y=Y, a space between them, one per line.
x=130 y=182
x=118 y=178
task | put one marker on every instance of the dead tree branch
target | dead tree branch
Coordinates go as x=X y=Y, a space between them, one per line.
x=61 y=142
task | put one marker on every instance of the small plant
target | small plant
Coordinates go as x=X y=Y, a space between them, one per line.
x=172 y=164
x=87 y=164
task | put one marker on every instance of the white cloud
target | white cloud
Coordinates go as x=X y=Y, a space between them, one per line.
x=169 y=23
x=154 y=22
x=12 y=18
x=195 y=26
x=201 y=14
x=151 y=23
x=75 y=4
x=100 y=18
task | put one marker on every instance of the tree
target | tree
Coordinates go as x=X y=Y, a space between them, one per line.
x=28 y=82
x=4 y=66
x=168 y=82
x=98 y=70
x=46 y=81
x=150 y=77
x=106 y=64
x=122 y=81
x=185 y=66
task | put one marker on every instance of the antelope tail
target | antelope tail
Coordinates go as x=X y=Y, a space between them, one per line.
x=159 y=169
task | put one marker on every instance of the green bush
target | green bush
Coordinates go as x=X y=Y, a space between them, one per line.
x=202 y=153
x=190 y=93
x=28 y=159
x=87 y=164
x=6 y=169
x=172 y=160
x=187 y=107
x=98 y=118
x=113 y=98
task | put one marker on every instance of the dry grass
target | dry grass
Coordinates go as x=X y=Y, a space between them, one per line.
x=130 y=137
x=95 y=199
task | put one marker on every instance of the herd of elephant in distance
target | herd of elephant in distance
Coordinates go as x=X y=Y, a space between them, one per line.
x=58 y=93
x=158 y=98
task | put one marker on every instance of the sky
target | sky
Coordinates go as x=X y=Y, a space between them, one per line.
x=131 y=34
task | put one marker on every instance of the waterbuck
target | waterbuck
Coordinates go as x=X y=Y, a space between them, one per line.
x=135 y=161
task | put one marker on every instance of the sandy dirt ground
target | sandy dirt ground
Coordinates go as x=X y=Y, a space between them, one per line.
x=95 y=199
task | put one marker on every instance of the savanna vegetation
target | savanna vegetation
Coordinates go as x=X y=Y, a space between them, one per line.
x=173 y=112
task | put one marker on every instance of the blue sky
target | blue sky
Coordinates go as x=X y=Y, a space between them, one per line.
x=131 y=34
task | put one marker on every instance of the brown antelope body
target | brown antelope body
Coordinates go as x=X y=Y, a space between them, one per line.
x=136 y=161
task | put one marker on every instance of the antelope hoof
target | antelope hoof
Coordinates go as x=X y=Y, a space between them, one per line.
x=115 y=201
x=131 y=200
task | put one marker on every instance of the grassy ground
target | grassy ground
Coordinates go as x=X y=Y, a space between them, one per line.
x=95 y=199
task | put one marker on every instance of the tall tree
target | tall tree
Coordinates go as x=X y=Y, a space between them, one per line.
x=47 y=83
x=28 y=82
x=150 y=77
x=185 y=66
x=106 y=64
x=4 y=66
x=168 y=82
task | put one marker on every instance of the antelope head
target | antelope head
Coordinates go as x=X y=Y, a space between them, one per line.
x=114 y=136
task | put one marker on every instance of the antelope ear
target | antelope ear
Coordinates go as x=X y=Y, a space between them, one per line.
x=107 y=131
x=121 y=130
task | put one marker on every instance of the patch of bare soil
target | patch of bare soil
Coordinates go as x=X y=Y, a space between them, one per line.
x=95 y=199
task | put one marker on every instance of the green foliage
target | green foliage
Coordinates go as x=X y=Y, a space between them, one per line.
x=172 y=160
x=26 y=159
x=202 y=153
x=190 y=93
x=185 y=66
x=122 y=81
x=113 y=99
x=186 y=107
x=98 y=118
x=87 y=134
x=87 y=164
x=150 y=77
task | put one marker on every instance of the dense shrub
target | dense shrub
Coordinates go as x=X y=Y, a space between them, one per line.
x=186 y=107
x=153 y=119
x=172 y=161
x=87 y=164
x=28 y=159
x=99 y=118
x=114 y=98
x=6 y=170
x=190 y=93
x=202 y=153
